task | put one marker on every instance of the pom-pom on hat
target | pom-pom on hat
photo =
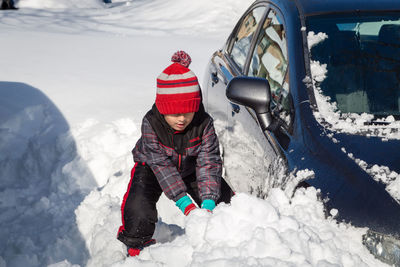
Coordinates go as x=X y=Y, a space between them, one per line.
x=178 y=89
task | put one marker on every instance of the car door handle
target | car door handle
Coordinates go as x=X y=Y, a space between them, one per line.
x=235 y=108
x=214 y=77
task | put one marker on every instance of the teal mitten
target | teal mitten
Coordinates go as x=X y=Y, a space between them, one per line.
x=208 y=204
x=185 y=204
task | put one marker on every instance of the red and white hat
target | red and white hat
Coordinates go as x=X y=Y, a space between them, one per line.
x=178 y=90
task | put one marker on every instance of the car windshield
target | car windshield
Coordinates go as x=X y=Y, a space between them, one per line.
x=362 y=57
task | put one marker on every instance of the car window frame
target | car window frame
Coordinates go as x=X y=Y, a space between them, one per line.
x=236 y=71
x=231 y=39
x=288 y=127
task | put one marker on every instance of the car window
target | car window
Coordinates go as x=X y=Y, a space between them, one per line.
x=361 y=55
x=244 y=35
x=270 y=61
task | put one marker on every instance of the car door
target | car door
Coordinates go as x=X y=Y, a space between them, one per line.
x=223 y=68
x=257 y=155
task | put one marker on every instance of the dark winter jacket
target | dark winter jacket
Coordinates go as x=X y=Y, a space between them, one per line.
x=174 y=155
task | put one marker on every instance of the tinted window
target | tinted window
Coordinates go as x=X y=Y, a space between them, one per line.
x=270 y=61
x=245 y=33
x=362 y=57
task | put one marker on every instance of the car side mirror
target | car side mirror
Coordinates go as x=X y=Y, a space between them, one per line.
x=253 y=93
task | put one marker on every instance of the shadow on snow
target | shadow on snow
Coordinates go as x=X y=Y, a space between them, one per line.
x=38 y=191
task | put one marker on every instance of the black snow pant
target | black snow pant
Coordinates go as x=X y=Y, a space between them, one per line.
x=7 y=4
x=139 y=213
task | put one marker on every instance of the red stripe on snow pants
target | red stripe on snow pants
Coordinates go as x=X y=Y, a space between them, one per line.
x=122 y=227
x=139 y=214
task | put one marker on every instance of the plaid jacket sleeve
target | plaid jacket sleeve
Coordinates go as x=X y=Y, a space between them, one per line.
x=149 y=150
x=209 y=165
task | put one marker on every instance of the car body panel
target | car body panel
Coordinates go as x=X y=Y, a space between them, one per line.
x=333 y=156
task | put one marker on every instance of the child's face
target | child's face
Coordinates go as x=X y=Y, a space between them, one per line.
x=179 y=121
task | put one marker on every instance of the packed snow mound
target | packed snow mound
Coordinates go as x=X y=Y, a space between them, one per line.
x=248 y=232
x=47 y=170
x=38 y=192
x=107 y=155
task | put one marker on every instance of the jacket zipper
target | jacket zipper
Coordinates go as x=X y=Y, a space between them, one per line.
x=179 y=155
x=179 y=162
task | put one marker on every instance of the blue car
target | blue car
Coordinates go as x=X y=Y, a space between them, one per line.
x=315 y=85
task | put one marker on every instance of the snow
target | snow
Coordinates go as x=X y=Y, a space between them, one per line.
x=381 y=174
x=268 y=232
x=76 y=79
x=313 y=39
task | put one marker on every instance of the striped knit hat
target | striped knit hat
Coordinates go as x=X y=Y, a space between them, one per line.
x=178 y=90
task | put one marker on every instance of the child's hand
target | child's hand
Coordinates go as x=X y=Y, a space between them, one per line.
x=189 y=208
x=185 y=204
x=208 y=204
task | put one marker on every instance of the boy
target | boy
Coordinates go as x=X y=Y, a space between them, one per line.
x=178 y=154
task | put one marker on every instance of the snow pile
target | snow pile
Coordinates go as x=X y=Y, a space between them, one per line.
x=248 y=232
x=47 y=173
x=328 y=113
x=38 y=192
x=108 y=154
